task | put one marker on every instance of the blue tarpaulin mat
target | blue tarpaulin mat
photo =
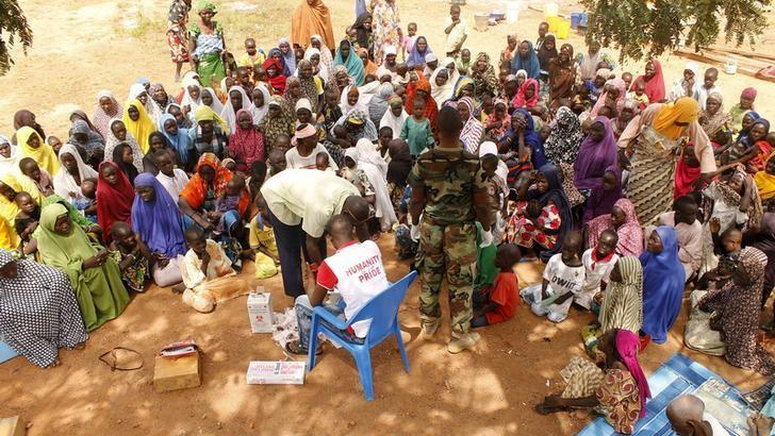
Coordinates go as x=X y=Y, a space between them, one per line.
x=681 y=375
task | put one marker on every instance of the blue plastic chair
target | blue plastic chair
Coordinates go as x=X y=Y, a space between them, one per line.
x=382 y=310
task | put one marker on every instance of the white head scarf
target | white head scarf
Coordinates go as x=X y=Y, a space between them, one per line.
x=364 y=155
x=260 y=112
x=217 y=106
x=323 y=71
x=489 y=147
x=229 y=114
x=447 y=90
x=303 y=103
x=64 y=182
x=9 y=164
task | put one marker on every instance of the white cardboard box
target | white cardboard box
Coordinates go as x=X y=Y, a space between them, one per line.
x=261 y=372
x=260 y=312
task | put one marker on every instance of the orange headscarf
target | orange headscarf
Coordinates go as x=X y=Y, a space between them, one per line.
x=311 y=19
x=370 y=67
x=431 y=107
x=195 y=191
x=685 y=110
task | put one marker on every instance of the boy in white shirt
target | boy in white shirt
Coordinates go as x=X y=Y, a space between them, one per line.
x=173 y=179
x=563 y=278
x=456 y=31
x=598 y=263
x=355 y=271
x=708 y=87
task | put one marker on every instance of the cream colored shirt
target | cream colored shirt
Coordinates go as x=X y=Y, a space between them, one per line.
x=307 y=197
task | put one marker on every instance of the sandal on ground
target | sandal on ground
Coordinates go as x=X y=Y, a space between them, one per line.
x=294 y=347
x=544 y=410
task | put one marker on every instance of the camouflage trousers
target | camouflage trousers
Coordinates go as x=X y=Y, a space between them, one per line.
x=449 y=250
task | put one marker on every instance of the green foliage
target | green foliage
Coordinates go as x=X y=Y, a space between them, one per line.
x=13 y=28
x=641 y=28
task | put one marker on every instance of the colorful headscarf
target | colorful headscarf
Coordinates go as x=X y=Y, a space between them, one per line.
x=562 y=145
x=101 y=117
x=471 y=135
x=195 y=191
x=520 y=98
x=529 y=63
x=627 y=344
x=353 y=63
x=140 y=129
x=685 y=110
x=43 y=154
x=158 y=222
x=278 y=81
x=595 y=157
x=114 y=202
x=416 y=58
x=204 y=113
x=655 y=87
x=765 y=182
x=180 y=142
x=663 y=285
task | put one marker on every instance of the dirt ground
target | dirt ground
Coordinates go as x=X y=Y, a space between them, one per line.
x=82 y=46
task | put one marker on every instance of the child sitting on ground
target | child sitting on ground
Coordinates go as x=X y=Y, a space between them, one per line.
x=639 y=95
x=228 y=201
x=563 y=277
x=598 y=263
x=40 y=177
x=355 y=271
x=133 y=258
x=88 y=204
x=208 y=277
x=417 y=130
x=263 y=243
x=26 y=220
x=498 y=302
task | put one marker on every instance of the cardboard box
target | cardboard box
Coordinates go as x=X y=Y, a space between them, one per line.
x=171 y=374
x=260 y=312
x=276 y=373
x=13 y=426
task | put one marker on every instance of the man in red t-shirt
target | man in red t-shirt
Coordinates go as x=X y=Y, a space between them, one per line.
x=356 y=272
x=498 y=302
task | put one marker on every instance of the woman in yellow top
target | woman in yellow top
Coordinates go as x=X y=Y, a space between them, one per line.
x=765 y=181
x=10 y=186
x=138 y=123
x=654 y=140
x=32 y=145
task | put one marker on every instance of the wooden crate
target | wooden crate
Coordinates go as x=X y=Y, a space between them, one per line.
x=181 y=373
x=13 y=426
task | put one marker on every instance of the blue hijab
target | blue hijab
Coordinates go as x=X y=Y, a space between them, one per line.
x=416 y=57
x=533 y=139
x=747 y=138
x=276 y=51
x=663 y=286
x=180 y=142
x=353 y=63
x=743 y=135
x=530 y=63
x=289 y=59
x=158 y=222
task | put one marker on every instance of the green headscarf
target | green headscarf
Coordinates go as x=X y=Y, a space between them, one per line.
x=203 y=5
x=57 y=249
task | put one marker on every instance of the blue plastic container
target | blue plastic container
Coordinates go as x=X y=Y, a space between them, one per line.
x=575 y=19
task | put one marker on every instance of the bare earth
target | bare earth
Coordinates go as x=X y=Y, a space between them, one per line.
x=82 y=46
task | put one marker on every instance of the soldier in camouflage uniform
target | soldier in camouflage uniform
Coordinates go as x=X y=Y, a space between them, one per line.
x=449 y=190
